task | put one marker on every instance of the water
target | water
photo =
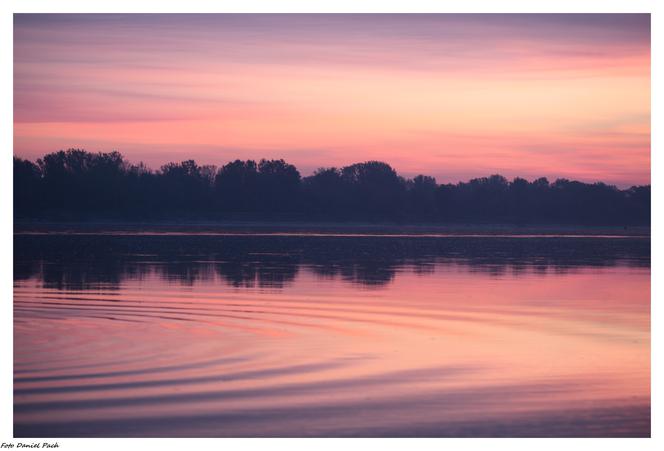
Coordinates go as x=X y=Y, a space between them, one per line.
x=307 y=333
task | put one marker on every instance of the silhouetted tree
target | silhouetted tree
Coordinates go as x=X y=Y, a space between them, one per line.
x=76 y=184
x=422 y=198
x=326 y=195
x=278 y=186
x=27 y=187
x=186 y=188
x=82 y=183
x=236 y=186
x=375 y=190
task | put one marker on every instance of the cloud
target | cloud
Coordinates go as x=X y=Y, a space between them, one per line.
x=451 y=95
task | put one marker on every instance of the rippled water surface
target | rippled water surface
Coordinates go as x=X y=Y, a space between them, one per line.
x=316 y=334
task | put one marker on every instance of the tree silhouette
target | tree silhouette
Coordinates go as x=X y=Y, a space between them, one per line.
x=375 y=190
x=278 y=186
x=421 y=203
x=27 y=187
x=236 y=186
x=325 y=195
x=79 y=185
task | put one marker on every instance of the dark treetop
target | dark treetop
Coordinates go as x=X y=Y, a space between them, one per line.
x=79 y=185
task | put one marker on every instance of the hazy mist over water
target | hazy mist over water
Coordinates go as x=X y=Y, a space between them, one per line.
x=118 y=333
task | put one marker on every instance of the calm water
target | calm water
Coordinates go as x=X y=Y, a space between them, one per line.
x=219 y=334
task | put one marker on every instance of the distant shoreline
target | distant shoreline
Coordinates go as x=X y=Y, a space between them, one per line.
x=77 y=185
x=318 y=227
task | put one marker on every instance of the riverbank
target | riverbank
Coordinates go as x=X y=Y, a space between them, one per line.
x=323 y=228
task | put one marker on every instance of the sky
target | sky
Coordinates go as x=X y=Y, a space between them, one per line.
x=455 y=96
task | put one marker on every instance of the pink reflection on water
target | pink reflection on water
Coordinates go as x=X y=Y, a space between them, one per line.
x=430 y=353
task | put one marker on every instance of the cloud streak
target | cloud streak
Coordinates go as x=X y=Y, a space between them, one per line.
x=397 y=87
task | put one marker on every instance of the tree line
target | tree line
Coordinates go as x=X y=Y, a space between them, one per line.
x=80 y=185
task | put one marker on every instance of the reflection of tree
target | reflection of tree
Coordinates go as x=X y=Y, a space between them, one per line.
x=83 y=262
x=67 y=275
x=363 y=272
x=258 y=273
x=25 y=269
x=186 y=272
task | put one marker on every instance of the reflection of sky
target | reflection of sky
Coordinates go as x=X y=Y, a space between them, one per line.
x=454 y=96
x=447 y=352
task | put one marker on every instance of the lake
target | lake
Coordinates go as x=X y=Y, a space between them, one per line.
x=208 y=332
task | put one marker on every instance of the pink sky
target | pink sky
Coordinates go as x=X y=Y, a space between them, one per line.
x=453 y=96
